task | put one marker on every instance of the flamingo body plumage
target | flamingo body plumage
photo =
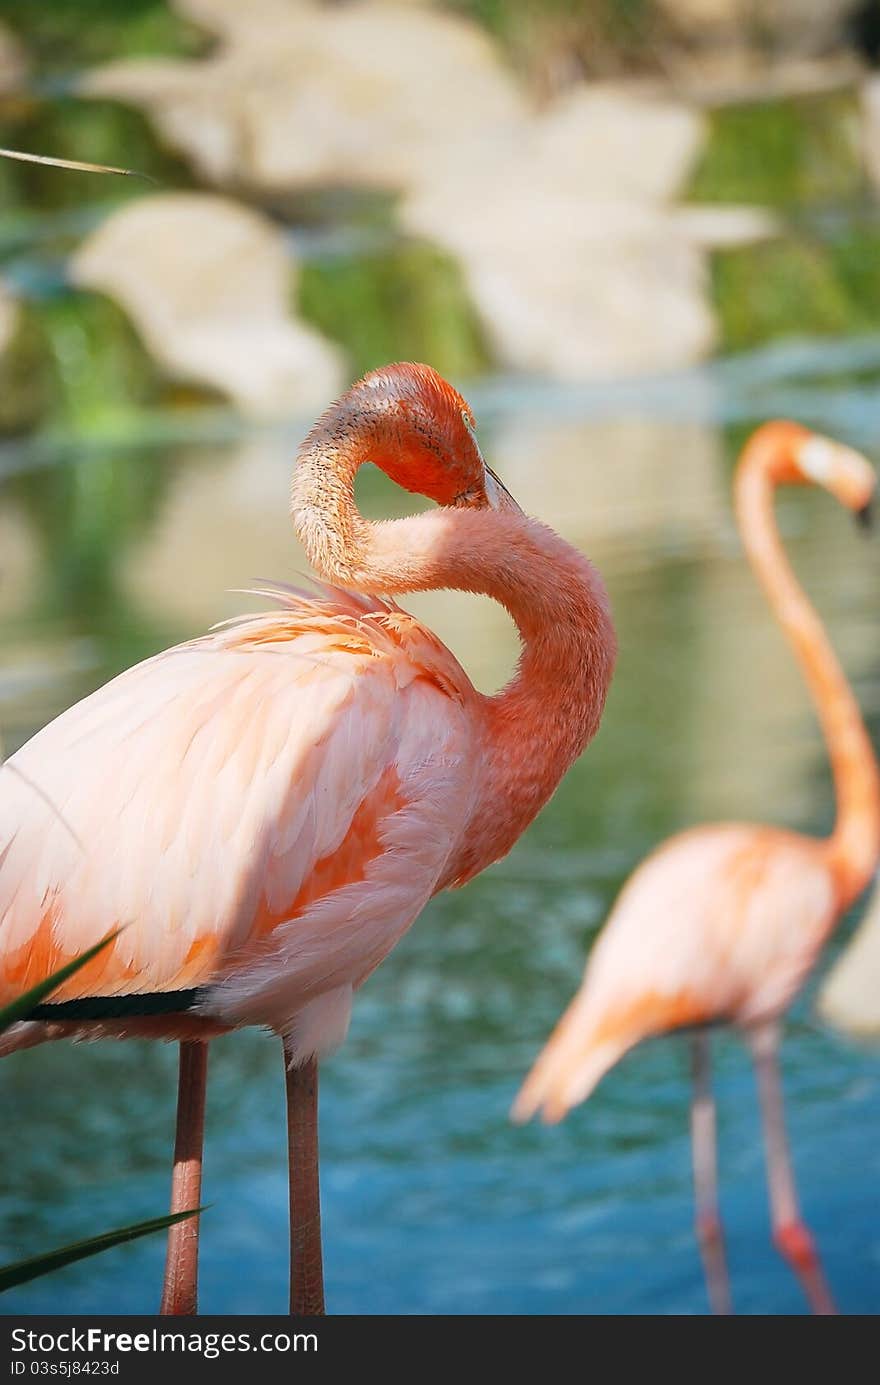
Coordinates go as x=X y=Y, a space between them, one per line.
x=300 y=779
x=721 y=924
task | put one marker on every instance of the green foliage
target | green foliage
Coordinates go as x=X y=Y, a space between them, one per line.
x=76 y=363
x=552 y=41
x=67 y=34
x=98 y=363
x=404 y=302
x=21 y=1271
x=26 y=388
x=793 y=153
x=798 y=286
x=87 y=511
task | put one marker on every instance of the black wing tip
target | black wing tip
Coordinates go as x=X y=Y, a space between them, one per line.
x=118 y=1007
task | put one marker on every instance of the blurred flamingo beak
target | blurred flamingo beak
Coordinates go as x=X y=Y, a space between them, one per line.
x=865 y=517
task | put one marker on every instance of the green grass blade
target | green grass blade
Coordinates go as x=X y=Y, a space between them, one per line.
x=24 y=1270
x=20 y=1007
x=77 y=165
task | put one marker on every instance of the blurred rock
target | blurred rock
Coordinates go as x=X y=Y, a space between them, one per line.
x=871 y=133
x=561 y=219
x=850 y=997
x=768 y=27
x=299 y=92
x=572 y=290
x=576 y=264
x=13 y=63
x=8 y=316
x=208 y=285
x=615 y=144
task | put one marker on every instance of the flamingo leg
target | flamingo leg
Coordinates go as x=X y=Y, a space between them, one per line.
x=306 y=1261
x=791 y=1236
x=180 y=1287
x=710 y=1235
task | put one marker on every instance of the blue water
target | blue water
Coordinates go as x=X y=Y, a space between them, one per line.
x=433 y=1202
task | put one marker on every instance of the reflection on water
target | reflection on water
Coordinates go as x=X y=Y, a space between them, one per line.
x=433 y=1202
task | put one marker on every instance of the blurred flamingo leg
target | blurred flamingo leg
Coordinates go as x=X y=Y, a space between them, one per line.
x=791 y=1236
x=705 y=1156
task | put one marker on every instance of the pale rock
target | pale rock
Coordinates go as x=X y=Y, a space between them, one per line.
x=207 y=284
x=574 y=260
x=619 y=146
x=850 y=996
x=9 y=315
x=13 y=63
x=365 y=93
x=871 y=126
x=563 y=220
x=774 y=26
x=726 y=227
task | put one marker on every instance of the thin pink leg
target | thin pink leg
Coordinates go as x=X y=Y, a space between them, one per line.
x=705 y=1154
x=306 y=1260
x=180 y=1288
x=791 y=1236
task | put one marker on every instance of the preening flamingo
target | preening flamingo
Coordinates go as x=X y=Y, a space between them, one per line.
x=723 y=923
x=264 y=811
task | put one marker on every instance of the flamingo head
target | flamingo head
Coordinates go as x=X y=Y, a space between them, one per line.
x=420 y=431
x=840 y=469
x=796 y=455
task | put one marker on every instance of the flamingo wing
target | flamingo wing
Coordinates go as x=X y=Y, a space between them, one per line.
x=263 y=812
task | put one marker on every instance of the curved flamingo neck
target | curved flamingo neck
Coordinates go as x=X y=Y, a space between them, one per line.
x=549 y=710
x=854 y=846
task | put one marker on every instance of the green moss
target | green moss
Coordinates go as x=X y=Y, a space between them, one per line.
x=87 y=510
x=76 y=364
x=405 y=302
x=26 y=384
x=551 y=41
x=798 y=286
x=798 y=152
x=99 y=365
x=63 y=35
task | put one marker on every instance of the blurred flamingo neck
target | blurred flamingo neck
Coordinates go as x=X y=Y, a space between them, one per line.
x=544 y=717
x=854 y=846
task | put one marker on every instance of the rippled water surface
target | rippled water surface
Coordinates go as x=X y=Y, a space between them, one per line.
x=433 y=1202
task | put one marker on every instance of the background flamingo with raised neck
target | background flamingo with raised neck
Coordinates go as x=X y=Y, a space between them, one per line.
x=267 y=809
x=723 y=923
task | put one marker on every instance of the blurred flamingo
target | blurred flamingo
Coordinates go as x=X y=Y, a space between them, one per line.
x=723 y=923
x=267 y=809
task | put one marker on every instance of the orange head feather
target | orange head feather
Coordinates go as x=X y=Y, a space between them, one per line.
x=417 y=428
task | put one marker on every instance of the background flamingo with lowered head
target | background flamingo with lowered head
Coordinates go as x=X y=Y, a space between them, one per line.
x=268 y=808
x=723 y=923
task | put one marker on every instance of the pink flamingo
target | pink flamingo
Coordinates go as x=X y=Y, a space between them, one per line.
x=267 y=809
x=722 y=924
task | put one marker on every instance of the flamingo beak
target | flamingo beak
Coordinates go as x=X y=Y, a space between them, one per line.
x=865 y=517
x=498 y=494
